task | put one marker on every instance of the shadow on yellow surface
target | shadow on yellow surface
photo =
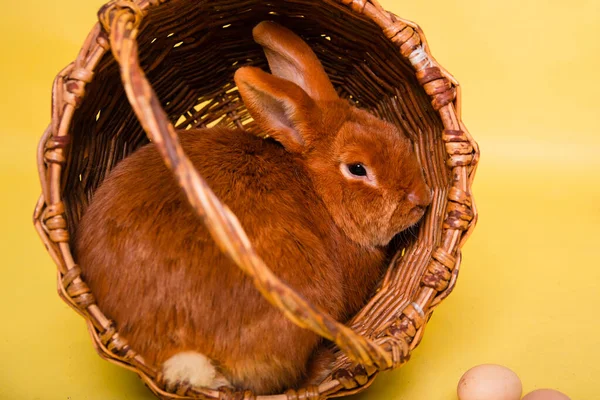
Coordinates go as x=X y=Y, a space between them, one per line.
x=529 y=290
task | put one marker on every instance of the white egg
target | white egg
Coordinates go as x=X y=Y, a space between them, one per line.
x=489 y=382
x=546 y=394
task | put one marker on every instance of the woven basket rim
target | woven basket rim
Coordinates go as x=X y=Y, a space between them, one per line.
x=116 y=32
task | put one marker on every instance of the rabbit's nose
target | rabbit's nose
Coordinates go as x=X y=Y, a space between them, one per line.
x=420 y=196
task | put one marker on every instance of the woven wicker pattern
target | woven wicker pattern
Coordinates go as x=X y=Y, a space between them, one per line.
x=149 y=67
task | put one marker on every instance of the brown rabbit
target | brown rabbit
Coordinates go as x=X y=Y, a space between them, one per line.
x=319 y=199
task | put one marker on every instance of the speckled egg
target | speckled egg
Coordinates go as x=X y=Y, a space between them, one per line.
x=489 y=382
x=546 y=394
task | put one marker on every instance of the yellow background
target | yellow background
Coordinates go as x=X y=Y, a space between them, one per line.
x=529 y=290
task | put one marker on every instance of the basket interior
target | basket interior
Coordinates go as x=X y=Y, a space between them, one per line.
x=190 y=50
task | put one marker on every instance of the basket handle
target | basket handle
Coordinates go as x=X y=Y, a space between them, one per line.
x=121 y=20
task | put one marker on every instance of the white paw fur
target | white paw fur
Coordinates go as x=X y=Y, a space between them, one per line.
x=193 y=368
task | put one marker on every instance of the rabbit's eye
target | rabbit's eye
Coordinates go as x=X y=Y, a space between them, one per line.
x=358 y=172
x=357 y=169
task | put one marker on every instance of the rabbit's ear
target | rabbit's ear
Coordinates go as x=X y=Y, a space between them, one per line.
x=280 y=108
x=291 y=58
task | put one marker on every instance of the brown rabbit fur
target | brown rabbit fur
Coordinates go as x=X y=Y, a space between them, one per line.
x=155 y=270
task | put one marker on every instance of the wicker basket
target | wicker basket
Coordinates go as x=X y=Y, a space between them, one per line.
x=150 y=66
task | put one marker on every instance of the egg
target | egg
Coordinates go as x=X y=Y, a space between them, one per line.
x=546 y=394
x=489 y=382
